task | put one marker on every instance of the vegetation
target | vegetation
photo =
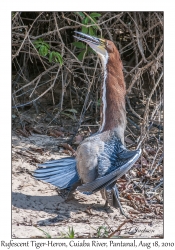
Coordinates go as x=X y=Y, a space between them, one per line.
x=101 y=232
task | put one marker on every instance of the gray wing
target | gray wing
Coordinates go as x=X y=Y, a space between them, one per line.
x=87 y=158
x=113 y=162
x=106 y=180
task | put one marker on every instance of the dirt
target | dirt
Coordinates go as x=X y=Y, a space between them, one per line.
x=37 y=206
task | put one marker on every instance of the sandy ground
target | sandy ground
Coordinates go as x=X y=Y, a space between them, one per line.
x=37 y=205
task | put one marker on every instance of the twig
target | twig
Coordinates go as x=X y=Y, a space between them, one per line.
x=119 y=228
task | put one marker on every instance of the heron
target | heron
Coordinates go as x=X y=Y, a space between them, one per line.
x=102 y=158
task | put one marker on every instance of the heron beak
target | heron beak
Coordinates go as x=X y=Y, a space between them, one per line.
x=97 y=44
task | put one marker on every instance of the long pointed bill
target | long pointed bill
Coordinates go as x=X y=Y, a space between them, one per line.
x=97 y=44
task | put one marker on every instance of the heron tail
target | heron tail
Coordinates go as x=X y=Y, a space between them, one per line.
x=61 y=173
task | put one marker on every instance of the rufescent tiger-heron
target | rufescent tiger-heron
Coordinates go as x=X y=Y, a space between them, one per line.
x=101 y=158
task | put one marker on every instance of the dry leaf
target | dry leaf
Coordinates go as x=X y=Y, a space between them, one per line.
x=58 y=133
x=67 y=146
x=37 y=131
x=24 y=133
x=127 y=140
x=66 y=152
x=51 y=133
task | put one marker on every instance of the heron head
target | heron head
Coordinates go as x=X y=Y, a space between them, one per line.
x=101 y=46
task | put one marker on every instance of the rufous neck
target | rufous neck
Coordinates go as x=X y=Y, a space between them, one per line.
x=113 y=114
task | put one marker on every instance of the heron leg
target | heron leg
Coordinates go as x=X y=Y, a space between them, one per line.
x=117 y=201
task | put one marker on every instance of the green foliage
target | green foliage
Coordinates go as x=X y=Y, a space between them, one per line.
x=71 y=234
x=83 y=46
x=48 y=236
x=55 y=56
x=67 y=112
x=99 y=102
x=81 y=55
x=81 y=14
x=44 y=50
x=13 y=14
x=87 y=20
x=71 y=110
x=102 y=232
x=79 y=45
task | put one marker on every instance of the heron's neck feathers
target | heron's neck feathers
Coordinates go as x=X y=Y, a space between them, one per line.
x=113 y=114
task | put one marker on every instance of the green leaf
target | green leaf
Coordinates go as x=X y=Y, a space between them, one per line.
x=86 y=20
x=91 y=50
x=102 y=232
x=81 y=55
x=43 y=50
x=37 y=45
x=81 y=14
x=71 y=110
x=79 y=45
x=46 y=234
x=95 y=21
x=95 y=27
x=58 y=58
x=95 y=14
x=46 y=44
x=84 y=30
x=68 y=115
x=71 y=233
x=37 y=42
x=50 y=57
x=91 y=31
x=83 y=21
x=40 y=42
x=99 y=102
